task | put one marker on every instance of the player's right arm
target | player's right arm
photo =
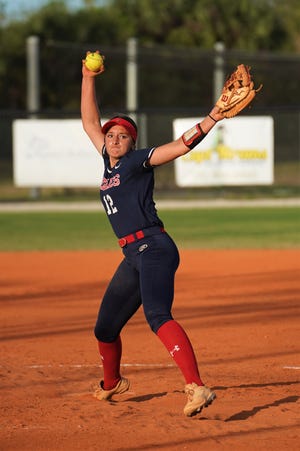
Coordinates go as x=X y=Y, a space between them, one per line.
x=90 y=114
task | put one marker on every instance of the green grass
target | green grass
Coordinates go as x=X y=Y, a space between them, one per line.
x=237 y=228
x=54 y=231
x=222 y=228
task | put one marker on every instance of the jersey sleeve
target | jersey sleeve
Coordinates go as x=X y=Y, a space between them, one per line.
x=137 y=159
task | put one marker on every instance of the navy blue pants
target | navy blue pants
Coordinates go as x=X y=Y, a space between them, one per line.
x=144 y=277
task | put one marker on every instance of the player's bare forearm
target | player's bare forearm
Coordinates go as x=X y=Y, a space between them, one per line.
x=90 y=115
x=169 y=152
x=89 y=109
x=215 y=114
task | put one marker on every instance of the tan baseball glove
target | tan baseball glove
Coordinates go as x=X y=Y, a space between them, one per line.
x=238 y=92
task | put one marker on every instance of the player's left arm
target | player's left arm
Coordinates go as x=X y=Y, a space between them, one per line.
x=174 y=149
x=237 y=93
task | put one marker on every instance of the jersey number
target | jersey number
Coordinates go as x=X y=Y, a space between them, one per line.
x=109 y=205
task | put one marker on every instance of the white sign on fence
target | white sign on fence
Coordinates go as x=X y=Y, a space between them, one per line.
x=238 y=151
x=50 y=152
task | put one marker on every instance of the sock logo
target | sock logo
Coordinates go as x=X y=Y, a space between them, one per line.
x=176 y=348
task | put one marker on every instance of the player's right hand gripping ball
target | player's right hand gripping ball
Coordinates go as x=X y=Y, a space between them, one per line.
x=238 y=92
x=94 y=61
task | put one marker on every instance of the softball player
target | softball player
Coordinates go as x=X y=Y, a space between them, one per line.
x=145 y=277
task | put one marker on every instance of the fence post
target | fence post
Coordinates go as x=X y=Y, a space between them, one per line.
x=132 y=90
x=132 y=76
x=218 y=69
x=33 y=86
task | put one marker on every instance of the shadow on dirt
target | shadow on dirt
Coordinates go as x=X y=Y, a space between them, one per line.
x=245 y=414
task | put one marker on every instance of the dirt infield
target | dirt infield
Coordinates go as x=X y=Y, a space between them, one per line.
x=241 y=311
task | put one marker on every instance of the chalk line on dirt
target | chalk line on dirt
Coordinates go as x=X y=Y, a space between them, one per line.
x=124 y=365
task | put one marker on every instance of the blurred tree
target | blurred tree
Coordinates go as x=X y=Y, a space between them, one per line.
x=65 y=35
x=246 y=24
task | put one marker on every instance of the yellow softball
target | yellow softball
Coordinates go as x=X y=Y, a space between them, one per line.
x=94 y=61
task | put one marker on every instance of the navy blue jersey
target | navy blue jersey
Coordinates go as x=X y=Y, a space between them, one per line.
x=127 y=193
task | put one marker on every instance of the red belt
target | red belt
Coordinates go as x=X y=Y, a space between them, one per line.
x=132 y=237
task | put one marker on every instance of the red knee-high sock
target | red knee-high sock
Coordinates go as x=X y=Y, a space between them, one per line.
x=110 y=354
x=179 y=346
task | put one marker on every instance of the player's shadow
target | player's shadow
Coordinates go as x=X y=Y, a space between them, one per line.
x=254 y=385
x=245 y=414
x=147 y=397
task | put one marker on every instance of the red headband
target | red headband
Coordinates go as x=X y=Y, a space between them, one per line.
x=120 y=121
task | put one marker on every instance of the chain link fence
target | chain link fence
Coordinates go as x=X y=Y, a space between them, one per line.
x=171 y=83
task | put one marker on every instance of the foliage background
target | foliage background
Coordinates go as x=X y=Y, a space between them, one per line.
x=176 y=58
x=270 y=27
